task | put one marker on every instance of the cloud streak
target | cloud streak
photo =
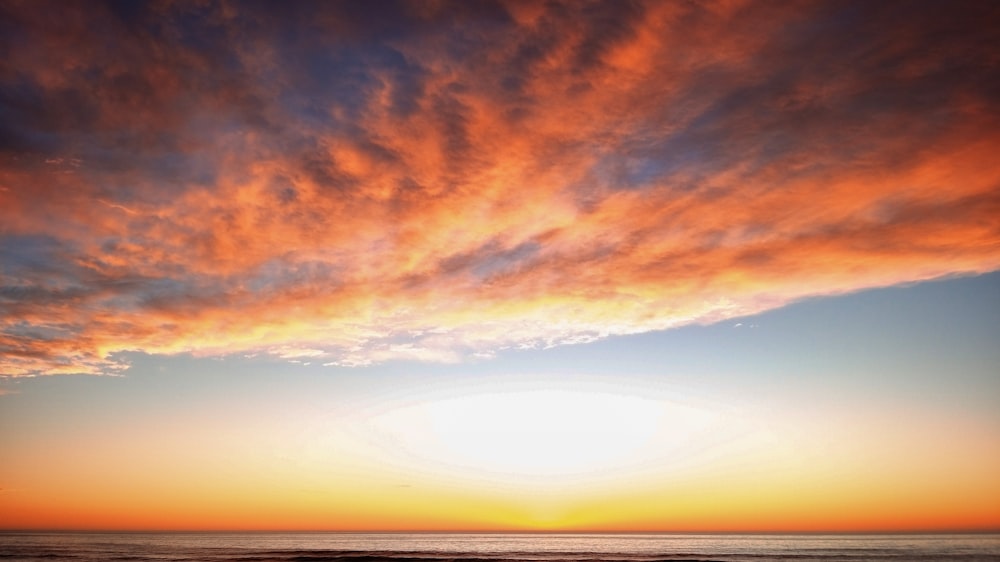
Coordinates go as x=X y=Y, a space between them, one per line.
x=349 y=184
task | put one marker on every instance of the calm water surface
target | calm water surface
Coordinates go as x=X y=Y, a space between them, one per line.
x=347 y=547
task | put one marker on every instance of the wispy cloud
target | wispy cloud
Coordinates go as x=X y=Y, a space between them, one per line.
x=351 y=184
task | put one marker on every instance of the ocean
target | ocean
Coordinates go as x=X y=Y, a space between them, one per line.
x=435 y=547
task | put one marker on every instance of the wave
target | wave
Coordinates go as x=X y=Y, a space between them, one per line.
x=382 y=556
x=342 y=556
x=290 y=547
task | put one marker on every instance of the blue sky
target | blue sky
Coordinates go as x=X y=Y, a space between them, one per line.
x=600 y=265
x=903 y=378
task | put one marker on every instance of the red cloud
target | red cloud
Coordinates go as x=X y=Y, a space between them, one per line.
x=457 y=182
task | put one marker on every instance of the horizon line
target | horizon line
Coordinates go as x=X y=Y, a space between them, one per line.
x=989 y=531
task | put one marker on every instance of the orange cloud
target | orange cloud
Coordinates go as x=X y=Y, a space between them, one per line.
x=449 y=182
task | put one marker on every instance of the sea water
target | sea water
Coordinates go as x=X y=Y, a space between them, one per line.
x=435 y=547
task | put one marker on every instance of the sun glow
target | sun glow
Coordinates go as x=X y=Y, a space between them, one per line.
x=544 y=433
x=541 y=433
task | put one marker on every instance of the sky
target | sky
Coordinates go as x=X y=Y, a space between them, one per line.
x=622 y=266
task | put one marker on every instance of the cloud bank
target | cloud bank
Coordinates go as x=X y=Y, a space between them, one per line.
x=349 y=183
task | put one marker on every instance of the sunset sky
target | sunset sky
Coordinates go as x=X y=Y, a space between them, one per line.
x=372 y=265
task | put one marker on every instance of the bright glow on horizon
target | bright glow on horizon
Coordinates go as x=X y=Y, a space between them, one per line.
x=544 y=433
x=540 y=433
